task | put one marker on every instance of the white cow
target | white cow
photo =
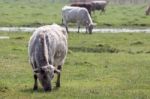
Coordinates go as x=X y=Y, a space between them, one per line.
x=147 y=12
x=77 y=15
x=47 y=51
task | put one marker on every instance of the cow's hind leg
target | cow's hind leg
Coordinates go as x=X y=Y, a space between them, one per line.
x=58 y=76
x=78 y=24
x=67 y=29
x=35 y=82
x=66 y=25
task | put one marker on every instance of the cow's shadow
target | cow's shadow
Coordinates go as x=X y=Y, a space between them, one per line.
x=30 y=90
x=40 y=90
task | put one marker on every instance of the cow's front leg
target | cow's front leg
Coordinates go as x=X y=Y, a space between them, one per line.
x=67 y=29
x=59 y=68
x=66 y=25
x=78 y=29
x=35 y=82
x=86 y=29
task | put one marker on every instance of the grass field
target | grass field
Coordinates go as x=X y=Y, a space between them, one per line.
x=98 y=66
x=40 y=12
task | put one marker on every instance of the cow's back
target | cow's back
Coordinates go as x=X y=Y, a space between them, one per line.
x=74 y=14
x=70 y=13
x=56 y=41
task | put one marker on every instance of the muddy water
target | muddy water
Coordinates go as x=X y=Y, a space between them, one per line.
x=101 y=30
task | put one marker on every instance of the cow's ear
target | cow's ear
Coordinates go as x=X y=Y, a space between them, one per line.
x=36 y=71
x=57 y=71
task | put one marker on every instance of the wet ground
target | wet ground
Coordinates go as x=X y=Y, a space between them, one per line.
x=97 y=30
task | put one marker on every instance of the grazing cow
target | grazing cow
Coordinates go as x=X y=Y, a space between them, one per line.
x=88 y=6
x=47 y=51
x=147 y=12
x=99 y=5
x=77 y=15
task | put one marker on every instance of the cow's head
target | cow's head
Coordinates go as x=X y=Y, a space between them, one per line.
x=90 y=27
x=45 y=75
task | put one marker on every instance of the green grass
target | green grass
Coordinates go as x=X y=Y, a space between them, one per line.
x=125 y=15
x=98 y=66
x=29 y=12
x=41 y=12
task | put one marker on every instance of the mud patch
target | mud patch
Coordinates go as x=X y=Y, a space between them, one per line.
x=19 y=38
x=148 y=52
x=17 y=49
x=137 y=43
x=98 y=49
x=107 y=24
x=3 y=88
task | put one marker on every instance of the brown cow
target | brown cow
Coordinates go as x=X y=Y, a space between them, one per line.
x=87 y=5
x=99 y=5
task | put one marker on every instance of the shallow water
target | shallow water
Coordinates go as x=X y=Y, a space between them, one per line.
x=17 y=29
x=116 y=30
x=97 y=30
x=4 y=37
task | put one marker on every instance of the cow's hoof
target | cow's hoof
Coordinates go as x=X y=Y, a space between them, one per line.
x=35 y=89
x=48 y=90
x=57 y=84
